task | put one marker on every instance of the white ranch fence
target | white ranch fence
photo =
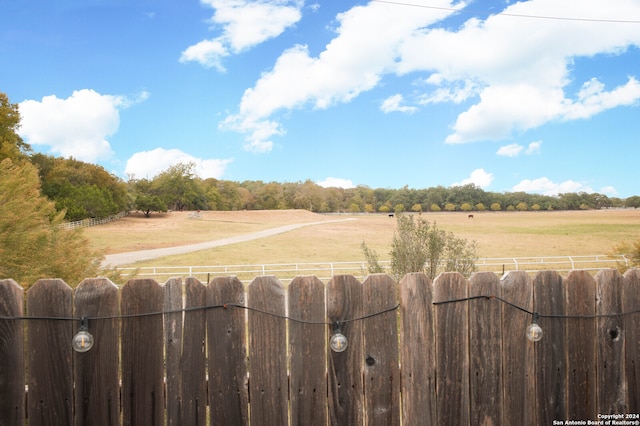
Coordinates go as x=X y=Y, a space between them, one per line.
x=326 y=270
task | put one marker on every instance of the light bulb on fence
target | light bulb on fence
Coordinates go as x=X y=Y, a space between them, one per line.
x=534 y=331
x=83 y=340
x=338 y=341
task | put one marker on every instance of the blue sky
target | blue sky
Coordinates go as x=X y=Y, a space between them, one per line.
x=539 y=96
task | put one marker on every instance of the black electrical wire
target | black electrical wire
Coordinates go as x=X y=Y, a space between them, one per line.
x=520 y=308
x=194 y=309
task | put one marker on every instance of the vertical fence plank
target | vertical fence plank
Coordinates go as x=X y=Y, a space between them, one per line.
x=452 y=350
x=49 y=353
x=268 y=382
x=142 y=353
x=193 y=363
x=344 y=302
x=580 y=290
x=610 y=340
x=173 y=343
x=631 y=303
x=97 y=399
x=518 y=359
x=11 y=354
x=185 y=352
x=417 y=357
x=380 y=337
x=308 y=354
x=485 y=350
x=551 y=364
x=228 y=386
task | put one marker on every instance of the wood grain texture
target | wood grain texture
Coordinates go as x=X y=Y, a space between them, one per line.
x=344 y=302
x=610 y=339
x=142 y=353
x=49 y=353
x=12 y=374
x=380 y=339
x=631 y=303
x=96 y=372
x=228 y=383
x=580 y=288
x=485 y=350
x=417 y=351
x=268 y=381
x=307 y=352
x=551 y=361
x=519 y=368
x=452 y=350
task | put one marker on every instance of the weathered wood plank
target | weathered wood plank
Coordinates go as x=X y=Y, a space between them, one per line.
x=380 y=338
x=268 y=381
x=173 y=328
x=142 y=353
x=610 y=339
x=49 y=353
x=185 y=352
x=485 y=350
x=580 y=290
x=344 y=303
x=308 y=353
x=96 y=372
x=417 y=357
x=12 y=377
x=518 y=361
x=228 y=384
x=551 y=361
x=631 y=303
x=452 y=350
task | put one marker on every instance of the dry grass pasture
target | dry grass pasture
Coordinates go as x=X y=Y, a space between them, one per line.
x=499 y=234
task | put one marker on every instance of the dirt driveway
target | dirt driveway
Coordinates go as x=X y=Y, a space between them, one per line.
x=120 y=259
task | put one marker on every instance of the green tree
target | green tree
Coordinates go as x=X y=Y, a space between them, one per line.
x=419 y=246
x=465 y=207
x=178 y=188
x=32 y=244
x=496 y=207
x=11 y=144
x=434 y=208
x=450 y=207
x=150 y=203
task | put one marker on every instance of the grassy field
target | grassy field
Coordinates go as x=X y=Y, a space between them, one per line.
x=498 y=234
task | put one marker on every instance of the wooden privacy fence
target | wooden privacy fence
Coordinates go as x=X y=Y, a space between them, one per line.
x=448 y=352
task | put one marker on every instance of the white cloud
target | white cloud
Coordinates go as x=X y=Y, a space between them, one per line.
x=332 y=182
x=148 y=164
x=478 y=177
x=78 y=126
x=533 y=148
x=393 y=104
x=547 y=187
x=514 y=149
x=609 y=190
x=245 y=23
x=514 y=70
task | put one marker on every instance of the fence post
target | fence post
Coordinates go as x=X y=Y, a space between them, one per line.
x=268 y=387
x=49 y=353
x=142 y=353
x=631 y=303
x=344 y=302
x=308 y=353
x=452 y=350
x=11 y=354
x=417 y=351
x=228 y=383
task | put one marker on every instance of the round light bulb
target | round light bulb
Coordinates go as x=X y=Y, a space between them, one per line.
x=534 y=332
x=82 y=341
x=338 y=342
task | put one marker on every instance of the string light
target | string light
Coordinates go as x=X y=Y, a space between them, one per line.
x=534 y=332
x=338 y=341
x=83 y=340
